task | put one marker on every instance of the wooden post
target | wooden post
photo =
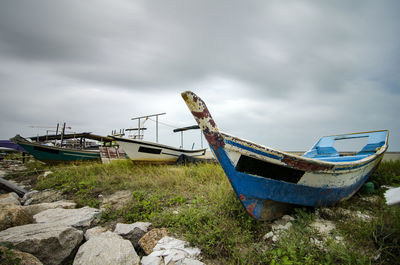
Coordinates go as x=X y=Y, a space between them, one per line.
x=62 y=134
x=55 y=140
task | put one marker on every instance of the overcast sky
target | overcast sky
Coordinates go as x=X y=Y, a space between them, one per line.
x=279 y=73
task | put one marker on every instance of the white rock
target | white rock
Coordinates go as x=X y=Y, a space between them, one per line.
x=323 y=226
x=107 y=249
x=174 y=250
x=362 y=216
x=79 y=218
x=170 y=242
x=268 y=235
x=287 y=218
x=43 y=196
x=317 y=243
x=95 y=231
x=152 y=260
x=40 y=207
x=28 y=202
x=46 y=173
x=124 y=229
x=27 y=195
x=189 y=261
x=50 y=243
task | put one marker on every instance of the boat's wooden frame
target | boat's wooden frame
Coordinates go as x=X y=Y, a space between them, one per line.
x=267 y=181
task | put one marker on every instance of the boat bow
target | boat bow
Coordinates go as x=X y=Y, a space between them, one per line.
x=204 y=119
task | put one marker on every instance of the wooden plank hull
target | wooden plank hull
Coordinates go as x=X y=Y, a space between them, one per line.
x=148 y=152
x=266 y=180
x=51 y=154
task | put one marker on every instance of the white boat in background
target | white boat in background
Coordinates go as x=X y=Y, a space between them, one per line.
x=150 y=152
x=142 y=151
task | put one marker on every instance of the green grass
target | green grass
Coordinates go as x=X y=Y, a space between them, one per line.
x=196 y=202
x=388 y=173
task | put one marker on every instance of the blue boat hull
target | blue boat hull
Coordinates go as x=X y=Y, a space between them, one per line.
x=257 y=194
x=266 y=181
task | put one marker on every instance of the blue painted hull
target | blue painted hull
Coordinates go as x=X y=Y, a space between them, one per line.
x=254 y=191
x=266 y=180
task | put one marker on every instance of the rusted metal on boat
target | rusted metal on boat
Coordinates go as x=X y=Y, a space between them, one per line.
x=269 y=181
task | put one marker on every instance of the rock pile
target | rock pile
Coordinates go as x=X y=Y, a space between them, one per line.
x=278 y=227
x=47 y=229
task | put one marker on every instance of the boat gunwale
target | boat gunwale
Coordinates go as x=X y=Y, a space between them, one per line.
x=340 y=165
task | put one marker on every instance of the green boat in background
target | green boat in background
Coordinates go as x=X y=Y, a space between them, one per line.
x=55 y=154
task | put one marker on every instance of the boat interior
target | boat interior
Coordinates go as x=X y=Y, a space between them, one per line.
x=325 y=150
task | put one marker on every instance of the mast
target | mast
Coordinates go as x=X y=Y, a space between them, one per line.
x=146 y=117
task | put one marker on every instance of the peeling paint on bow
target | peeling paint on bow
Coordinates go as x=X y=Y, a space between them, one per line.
x=203 y=118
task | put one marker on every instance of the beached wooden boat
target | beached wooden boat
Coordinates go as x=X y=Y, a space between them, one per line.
x=55 y=154
x=149 y=152
x=267 y=181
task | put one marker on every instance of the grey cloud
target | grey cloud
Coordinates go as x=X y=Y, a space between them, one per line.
x=318 y=58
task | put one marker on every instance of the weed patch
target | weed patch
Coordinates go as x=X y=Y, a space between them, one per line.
x=198 y=203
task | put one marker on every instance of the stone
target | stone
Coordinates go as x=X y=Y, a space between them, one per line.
x=151 y=238
x=22 y=257
x=81 y=218
x=9 y=198
x=95 y=231
x=287 y=218
x=189 y=261
x=13 y=215
x=46 y=173
x=374 y=199
x=152 y=260
x=268 y=235
x=174 y=251
x=34 y=209
x=132 y=232
x=107 y=249
x=276 y=227
x=116 y=201
x=43 y=196
x=317 y=243
x=28 y=195
x=363 y=216
x=50 y=243
x=324 y=227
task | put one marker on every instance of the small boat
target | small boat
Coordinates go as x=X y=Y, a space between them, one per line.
x=149 y=152
x=7 y=145
x=54 y=154
x=268 y=181
x=140 y=151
